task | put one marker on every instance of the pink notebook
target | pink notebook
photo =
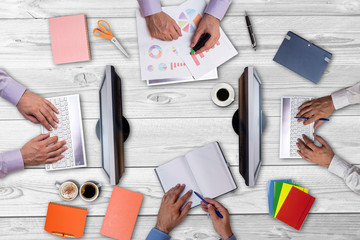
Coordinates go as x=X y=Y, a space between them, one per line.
x=69 y=39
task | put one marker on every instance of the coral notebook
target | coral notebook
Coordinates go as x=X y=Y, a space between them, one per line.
x=121 y=214
x=69 y=39
x=295 y=208
x=65 y=221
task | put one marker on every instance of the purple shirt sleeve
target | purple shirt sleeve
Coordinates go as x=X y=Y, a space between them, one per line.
x=10 y=162
x=10 y=89
x=149 y=7
x=217 y=8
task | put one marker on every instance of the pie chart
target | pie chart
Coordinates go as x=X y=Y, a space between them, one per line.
x=188 y=20
x=162 y=67
x=150 y=68
x=155 y=51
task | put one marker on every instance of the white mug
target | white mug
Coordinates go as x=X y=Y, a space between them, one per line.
x=68 y=190
x=87 y=193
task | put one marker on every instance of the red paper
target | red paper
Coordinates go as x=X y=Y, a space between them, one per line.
x=295 y=208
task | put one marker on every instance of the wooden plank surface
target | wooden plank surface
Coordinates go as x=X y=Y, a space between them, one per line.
x=18 y=49
x=27 y=193
x=149 y=144
x=183 y=113
x=317 y=226
x=113 y=8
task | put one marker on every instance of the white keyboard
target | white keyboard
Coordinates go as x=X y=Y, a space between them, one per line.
x=297 y=129
x=69 y=129
x=291 y=129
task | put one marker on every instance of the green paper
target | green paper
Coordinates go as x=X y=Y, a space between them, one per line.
x=277 y=192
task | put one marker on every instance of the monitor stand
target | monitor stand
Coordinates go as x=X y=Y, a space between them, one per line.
x=125 y=130
x=235 y=122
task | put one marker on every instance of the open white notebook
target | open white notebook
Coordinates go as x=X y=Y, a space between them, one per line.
x=203 y=170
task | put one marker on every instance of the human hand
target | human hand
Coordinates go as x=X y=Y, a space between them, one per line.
x=315 y=109
x=221 y=225
x=42 y=149
x=163 y=27
x=312 y=153
x=208 y=24
x=38 y=110
x=170 y=214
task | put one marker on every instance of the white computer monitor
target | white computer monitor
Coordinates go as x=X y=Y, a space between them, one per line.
x=249 y=123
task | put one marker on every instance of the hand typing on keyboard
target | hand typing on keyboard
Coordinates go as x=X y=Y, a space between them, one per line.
x=69 y=128
x=309 y=151
x=42 y=149
x=38 y=110
x=315 y=109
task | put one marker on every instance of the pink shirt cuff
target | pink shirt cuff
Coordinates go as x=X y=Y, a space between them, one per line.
x=149 y=7
x=12 y=161
x=217 y=8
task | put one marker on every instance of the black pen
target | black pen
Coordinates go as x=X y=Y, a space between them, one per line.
x=251 y=32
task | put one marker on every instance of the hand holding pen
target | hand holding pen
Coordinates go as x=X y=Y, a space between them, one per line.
x=314 y=110
x=209 y=25
x=221 y=225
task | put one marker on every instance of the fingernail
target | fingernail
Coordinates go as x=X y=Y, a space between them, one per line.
x=190 y=191
x=190 y=203
x=177 y=185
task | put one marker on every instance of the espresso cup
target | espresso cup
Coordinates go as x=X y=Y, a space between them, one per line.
x=89 y=191
x=222 y=94
x=68 y=190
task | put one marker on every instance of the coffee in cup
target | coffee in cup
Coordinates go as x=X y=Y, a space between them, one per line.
x=68 y=190
x=89 y=191
x=222 y=94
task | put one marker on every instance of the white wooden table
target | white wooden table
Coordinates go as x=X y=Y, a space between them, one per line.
x=168 y=121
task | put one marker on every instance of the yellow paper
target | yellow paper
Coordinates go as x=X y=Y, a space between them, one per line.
x=285 y=190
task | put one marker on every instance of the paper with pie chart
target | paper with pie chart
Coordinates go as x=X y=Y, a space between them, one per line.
x=188 y=16
x=188 y=20
x=160 y=59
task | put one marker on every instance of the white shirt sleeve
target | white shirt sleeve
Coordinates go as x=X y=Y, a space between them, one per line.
x=348 y=172
x=346 y=96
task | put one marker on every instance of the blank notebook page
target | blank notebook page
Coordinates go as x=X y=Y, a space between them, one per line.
x=178 y=171
x=69 y=39
x=210 y=170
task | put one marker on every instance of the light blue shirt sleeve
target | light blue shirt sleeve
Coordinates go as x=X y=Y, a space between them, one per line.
x=232 y=237
x=157 y=235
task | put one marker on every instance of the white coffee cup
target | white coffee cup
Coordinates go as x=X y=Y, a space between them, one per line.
x=89 y=191
x=68 y=190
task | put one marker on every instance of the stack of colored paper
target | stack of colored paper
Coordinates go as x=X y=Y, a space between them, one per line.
x=288 y=202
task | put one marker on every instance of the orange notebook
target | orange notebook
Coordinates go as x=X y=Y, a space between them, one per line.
x=121 y=214
x=69 y=39
x=65 y=221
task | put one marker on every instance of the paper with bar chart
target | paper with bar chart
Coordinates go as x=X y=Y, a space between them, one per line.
x=160 y=60
x=200 y=64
